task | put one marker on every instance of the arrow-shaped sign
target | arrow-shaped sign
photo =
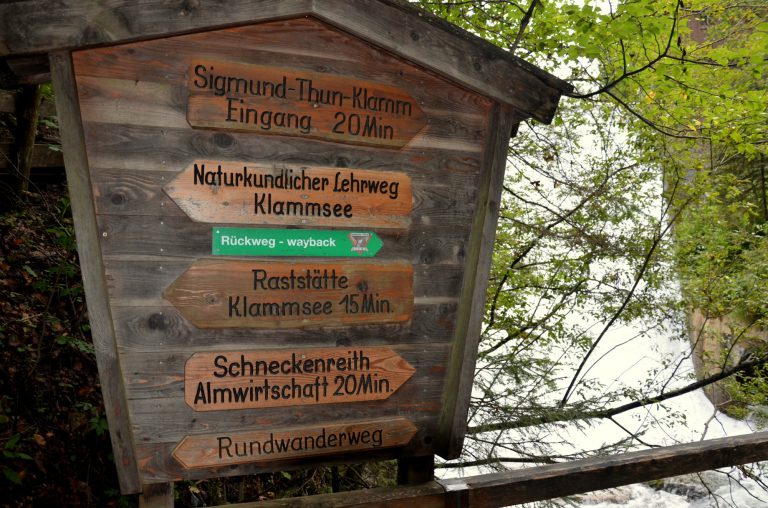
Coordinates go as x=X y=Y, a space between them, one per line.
x=216 y=381
x=228 y=293
x=304 y=104
x=231 y=192
x=264 y=446
x=294 y=242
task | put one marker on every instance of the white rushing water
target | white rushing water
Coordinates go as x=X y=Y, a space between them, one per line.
x=725 y=488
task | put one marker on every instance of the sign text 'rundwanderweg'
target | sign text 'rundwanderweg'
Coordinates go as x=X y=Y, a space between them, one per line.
x=223 y=293
x=231 y=192
x=272 y=100
x=264 y=446
x=215 y=381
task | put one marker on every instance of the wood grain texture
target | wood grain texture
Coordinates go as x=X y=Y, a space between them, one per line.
x=239 y=192
x=462 y=364
x=226 y=380
x=45 y=25
x=547 y=482
x=134 y=99
x=156 y=104
x=282 y=100
x=156 y=470
x=120 y=193
x=436 y=240
x=222 y=293
x=140 y=282
x=151 y=376
x=150 y=430
x=148 y=149
x=260 y=447
x=162 y=329
x=92 y=271
x=474 y=63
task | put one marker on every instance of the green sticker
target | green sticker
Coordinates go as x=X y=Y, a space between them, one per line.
x=294 y=242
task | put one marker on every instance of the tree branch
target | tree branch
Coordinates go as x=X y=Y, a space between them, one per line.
x=523 y=25
x=557 y=415
x=663 y=54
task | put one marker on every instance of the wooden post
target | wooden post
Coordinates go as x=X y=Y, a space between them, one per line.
x=415 y=470
x=27 y=110
x=159 y=495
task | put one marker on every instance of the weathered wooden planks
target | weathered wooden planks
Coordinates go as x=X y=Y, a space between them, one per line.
x=338 y=133
x=453 y=420
x=151 y=377
x=160 y=105
x=141 y=282
x=435 y=240
x=94 y=282
x=415 y=400
x=163 y=179
x=44 y=25
x=149 y=149
x=541 y=483
x=161 y=328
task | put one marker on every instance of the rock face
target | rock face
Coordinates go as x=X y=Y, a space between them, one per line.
x=718 y=343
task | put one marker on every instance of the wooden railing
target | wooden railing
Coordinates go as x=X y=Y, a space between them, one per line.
x=548 y=482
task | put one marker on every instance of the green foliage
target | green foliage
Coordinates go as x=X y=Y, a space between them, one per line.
x=53 y=430
x=11 y=452
x=651 y=174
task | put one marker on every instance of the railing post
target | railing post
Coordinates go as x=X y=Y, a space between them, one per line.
x=415 y=470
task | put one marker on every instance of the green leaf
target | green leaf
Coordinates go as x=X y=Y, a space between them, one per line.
x=12 y=442
x=11 y=475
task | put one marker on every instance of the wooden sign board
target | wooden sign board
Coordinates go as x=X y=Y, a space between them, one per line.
x=215 y=381
x=244 y=193
x=216 y=293
x=274 y=100
x=265 y=446
x=310 y=121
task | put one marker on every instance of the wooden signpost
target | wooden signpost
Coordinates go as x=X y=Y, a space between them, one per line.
x=285 y=214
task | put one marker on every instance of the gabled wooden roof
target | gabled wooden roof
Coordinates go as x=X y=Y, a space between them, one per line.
x=42 y=26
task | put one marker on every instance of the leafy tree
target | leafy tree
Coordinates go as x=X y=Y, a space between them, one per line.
x=642 y=209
